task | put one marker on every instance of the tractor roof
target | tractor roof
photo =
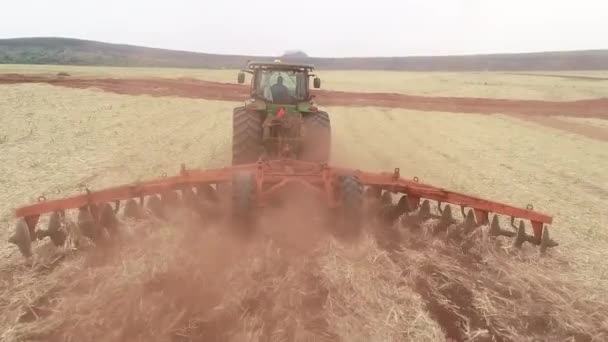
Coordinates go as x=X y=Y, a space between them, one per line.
x=277 y=64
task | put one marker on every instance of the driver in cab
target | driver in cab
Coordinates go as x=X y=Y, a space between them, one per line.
x=279 y=91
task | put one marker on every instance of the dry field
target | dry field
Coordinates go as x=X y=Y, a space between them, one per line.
x=294 y=282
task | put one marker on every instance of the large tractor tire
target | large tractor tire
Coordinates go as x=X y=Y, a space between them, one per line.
x=317 y=142
x=246 y=136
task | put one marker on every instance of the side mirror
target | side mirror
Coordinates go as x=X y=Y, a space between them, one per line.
x=241 y=77
x=317 y=83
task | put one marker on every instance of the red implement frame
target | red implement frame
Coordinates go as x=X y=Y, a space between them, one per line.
x=271 y=176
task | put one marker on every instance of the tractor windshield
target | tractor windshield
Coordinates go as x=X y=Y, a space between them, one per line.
x=282 y=86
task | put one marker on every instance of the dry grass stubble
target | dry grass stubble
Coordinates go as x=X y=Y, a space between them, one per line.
x=181 y=282
x=494 y=292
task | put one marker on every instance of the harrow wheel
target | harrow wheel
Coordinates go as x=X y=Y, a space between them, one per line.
x=189 y=198
x=87 y=225
x=54 y=231
x=246 y=136
x=244 y=199
x=132 y=210
x=22 y=238
x=206 y=192
x=154 y=205
x=108 y=220
x=390 y=212
x=317 y=141
x=54 y=221
x=546 y=242
x=170 y=200
x=470 y=222
x=207 y=200
x=445 y=221
x=351 y=196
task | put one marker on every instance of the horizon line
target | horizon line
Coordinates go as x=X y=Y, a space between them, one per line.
x=300 y=50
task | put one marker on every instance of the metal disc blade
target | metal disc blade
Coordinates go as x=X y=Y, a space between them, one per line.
x=22 y=238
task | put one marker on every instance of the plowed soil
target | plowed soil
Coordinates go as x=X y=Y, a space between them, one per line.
x=191 y=88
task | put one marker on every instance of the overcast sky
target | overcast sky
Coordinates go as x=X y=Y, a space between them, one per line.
x=319 y=27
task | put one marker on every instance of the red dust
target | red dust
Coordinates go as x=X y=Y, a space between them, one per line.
x=188 y=280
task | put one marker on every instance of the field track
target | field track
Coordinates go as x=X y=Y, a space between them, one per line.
x=192 y=88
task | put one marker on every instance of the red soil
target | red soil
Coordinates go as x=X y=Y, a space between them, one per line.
x=535 y=110
x=232 y=92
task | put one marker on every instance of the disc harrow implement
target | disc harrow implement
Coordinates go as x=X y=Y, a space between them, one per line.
x=240 y=193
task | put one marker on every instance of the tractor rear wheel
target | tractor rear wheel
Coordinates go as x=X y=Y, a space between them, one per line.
x=317 y=142
x=246 y=136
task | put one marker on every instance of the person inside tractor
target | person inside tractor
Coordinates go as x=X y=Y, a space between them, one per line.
x=282 y=86
x=280 y=93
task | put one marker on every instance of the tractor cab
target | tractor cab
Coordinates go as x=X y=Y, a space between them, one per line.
x=280 y=120
x=280 y=83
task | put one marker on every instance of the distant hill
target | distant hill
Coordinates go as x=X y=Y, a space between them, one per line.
x=295 y=54
x=84 y=52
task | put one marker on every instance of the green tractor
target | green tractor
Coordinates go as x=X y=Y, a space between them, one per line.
x=280 y=120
